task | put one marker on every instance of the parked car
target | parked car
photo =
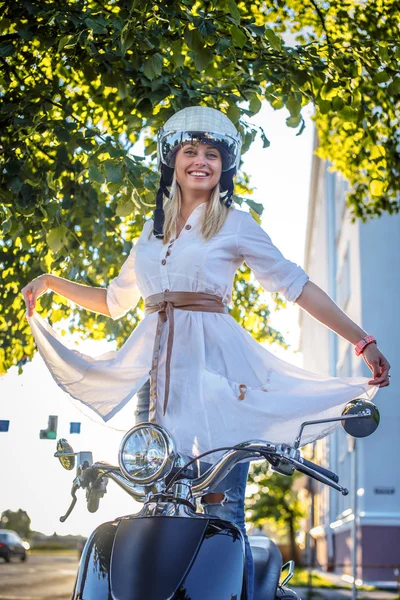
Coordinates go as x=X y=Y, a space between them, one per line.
x=12 y=545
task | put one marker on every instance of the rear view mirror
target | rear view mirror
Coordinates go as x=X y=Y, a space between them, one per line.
x=359 y=418
x=367 y=422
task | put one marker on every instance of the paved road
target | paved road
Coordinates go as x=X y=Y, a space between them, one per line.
x=41 y=577
x=52 y=577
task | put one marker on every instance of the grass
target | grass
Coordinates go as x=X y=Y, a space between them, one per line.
x=301 y=579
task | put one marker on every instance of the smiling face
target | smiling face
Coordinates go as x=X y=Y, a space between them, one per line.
x=198 y=167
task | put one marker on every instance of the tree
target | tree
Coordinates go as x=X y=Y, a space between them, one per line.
x=18 y=521
x=276 y=502
x=83 y=79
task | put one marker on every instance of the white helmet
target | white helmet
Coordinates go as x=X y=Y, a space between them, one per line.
x=199 y=124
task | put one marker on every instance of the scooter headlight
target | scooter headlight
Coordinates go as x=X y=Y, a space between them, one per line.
x=146 y=454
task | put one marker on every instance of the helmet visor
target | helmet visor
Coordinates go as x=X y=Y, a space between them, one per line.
x=170 y=142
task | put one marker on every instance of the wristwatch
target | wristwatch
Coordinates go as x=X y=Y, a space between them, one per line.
x=362 y=344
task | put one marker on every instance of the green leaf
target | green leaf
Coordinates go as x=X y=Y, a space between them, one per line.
x=193 y=39
x=202 y=59
x=95 y=174
x=277 y=104
x=223 y=44
x=381 y=77
x=56 y=238
x=265 y=140
x=7 y=49
x=337 y=103
x=153 y=66
x=96 y=26
x=255 y=105
x=324 y=106
x=256 y=206
x=122 y=89
x=62 y=134
x=238 y=36
x=66 y=42
x=293 y=107
x=259 y=30
x=293 y=121
x=176 y=54
x=113 y=188
x=394 y=88
x=206 y=27
x=233 y=9
x=348 y=114
x=125 y=206
x=113 y=171
x=233 y=113
x=301 y=77
x=273 y=39
x=127 y=37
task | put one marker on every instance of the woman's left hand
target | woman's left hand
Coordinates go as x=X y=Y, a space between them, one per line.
x=378 y=364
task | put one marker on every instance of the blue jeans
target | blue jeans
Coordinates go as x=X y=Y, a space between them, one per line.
x=233 y=487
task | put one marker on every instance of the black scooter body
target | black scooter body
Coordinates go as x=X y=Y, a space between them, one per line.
x=163 y=558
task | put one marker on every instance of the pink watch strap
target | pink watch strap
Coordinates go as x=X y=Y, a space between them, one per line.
x=362 y=344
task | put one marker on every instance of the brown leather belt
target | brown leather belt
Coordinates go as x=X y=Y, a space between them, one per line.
x=164 y=304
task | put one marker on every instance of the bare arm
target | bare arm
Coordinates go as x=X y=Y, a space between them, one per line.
x=88 y=297
x=319 y=305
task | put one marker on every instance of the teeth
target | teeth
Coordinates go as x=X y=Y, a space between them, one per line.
x=198 y=174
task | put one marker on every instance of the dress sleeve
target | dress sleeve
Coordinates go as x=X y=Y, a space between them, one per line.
x=274 y=272
x=122 y=292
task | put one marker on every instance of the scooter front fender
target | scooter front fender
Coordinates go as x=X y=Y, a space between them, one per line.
x=162 y=558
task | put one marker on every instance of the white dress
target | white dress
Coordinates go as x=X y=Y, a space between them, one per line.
x=225 y=387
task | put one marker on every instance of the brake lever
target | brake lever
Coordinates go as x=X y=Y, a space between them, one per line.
x=319 y=476
x=75 y=488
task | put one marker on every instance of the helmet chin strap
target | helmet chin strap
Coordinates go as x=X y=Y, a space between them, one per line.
x=167 y=173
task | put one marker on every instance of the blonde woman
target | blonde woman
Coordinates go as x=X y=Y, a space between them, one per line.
x=200 y=375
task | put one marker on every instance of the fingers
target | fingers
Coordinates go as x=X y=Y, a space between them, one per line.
x=29 y=299
x=32 y=303
x=381 y=378
x=26 y=295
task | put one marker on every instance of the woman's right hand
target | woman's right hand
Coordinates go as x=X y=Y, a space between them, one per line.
x=31 y=292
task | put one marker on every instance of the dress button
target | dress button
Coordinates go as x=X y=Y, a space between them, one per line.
x=168 y=253
x=163 y=262
x=167 y=290
x=188 y=227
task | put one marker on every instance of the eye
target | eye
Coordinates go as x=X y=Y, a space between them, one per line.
x=189 y=152
x=212 y=155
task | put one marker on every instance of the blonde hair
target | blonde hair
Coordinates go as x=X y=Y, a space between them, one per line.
x=213 y=219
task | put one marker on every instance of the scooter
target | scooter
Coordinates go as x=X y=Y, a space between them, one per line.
x=169 y=550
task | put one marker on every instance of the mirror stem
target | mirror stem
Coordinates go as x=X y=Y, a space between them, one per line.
x=333 y=419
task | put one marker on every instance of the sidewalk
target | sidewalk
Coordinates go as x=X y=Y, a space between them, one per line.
x=326 y=594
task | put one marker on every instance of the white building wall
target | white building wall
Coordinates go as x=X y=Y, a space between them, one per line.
x=367 y=289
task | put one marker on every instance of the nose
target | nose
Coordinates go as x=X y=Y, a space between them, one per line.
x=200 y=158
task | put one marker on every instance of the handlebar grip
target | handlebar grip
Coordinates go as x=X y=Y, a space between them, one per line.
x=93 y=502
x=330 y=474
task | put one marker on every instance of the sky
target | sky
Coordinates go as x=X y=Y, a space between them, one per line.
x=31 y=478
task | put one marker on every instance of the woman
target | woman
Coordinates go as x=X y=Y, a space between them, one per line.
x=211 y=383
